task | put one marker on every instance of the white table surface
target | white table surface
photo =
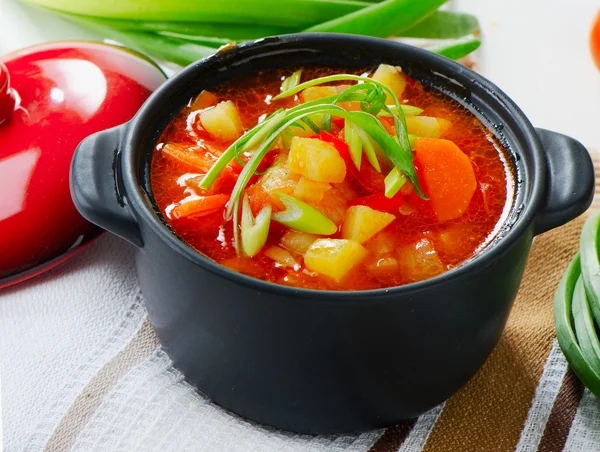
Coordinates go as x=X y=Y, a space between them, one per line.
x=537 y=52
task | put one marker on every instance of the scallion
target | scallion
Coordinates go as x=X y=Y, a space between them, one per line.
x=254 y=230
x=393 y=182
x=302 y=217
x=291 y=81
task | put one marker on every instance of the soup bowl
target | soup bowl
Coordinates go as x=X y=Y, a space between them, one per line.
x=327 y=361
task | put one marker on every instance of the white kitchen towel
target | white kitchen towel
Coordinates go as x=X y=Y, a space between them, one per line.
x=82 y=371
x=57 y=331
x=152 y=409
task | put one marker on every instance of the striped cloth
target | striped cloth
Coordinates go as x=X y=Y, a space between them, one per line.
x=524 y=398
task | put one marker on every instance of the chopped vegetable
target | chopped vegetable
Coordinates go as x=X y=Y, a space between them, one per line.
x=368 y=148
x=334 y=257
x=380 y=202
x=394 y=181
x=302 y=217
x=333 y=205
x=392 y=77
x=426 y=126
x=452 y=234
x=254 y=230
x=407 y=110
x=355 y=145
x=362 y=223
x=278 y=178
x=382 y=266
x=447 y=175
x=204 y=100
x=204 y=205
x=297 y=242
x=309 y=190
x=316 y=160
x=419 y=261
x=313 y=93
x=281 y=256
x=291 y=81
x=222 y=121
x=187 y=155
x=382 y=243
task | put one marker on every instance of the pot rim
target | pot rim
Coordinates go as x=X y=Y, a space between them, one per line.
x=138 y=200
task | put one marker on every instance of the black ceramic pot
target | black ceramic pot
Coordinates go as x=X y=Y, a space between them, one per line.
x=315 y=361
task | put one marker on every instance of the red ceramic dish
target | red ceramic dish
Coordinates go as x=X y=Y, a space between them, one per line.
x=51 y=97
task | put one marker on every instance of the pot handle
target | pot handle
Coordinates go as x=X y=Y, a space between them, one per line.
x=570 y=180
x=96 y=186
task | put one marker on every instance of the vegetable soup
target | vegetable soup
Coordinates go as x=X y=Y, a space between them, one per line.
x=325 y=179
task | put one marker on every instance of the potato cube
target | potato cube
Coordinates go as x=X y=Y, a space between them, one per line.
x=333 y=205
x=222 y=121
x=279 y=178
x=318 y=92
x=361 y=223
x=308 y=190
x=453 y=236
x=419 y=261
x=334 y=257
x=383 y=243
x=281 y=256
x=204 y=100
x=393 y=78
x=382 y=265
x=316 y=160
x=427 y=126
x=297 y=242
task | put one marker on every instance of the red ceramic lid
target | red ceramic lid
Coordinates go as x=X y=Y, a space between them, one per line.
x=51 y=97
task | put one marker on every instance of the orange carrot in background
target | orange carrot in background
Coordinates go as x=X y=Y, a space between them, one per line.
x=595 y=40
x=448 y=176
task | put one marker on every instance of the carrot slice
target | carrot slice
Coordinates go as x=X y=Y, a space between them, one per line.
x=447 y=176
x=258 y=198
x=186 y=154
x=200 y=207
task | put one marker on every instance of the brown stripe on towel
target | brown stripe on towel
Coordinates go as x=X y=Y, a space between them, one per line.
x=89 y=400
x=489 y=413
x=562 y=414
x=393 y=437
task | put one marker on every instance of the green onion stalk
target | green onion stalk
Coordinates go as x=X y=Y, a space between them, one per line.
x=371 y=96
x=183 y=31
x=577 y=308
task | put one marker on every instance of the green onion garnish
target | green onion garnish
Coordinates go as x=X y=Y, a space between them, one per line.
x=291 y=81
x=394 y=181
x=374 y=137
x=254 y=230
x=303 y=217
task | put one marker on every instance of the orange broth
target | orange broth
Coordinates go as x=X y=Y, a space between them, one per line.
x=453 y=241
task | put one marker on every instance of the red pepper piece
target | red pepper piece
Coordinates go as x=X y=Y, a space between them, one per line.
x=379 y=201
x=367 y=177
x=337 y=121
